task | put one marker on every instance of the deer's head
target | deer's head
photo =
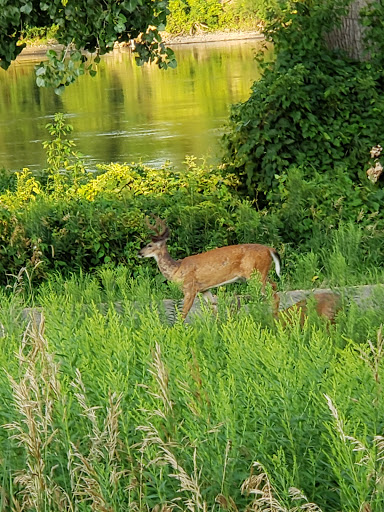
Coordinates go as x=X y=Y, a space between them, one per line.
x=159 y=238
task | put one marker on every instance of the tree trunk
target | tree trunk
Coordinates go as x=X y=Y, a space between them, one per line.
x=349 y=36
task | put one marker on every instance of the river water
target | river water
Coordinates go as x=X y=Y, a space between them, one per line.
x=128 y=113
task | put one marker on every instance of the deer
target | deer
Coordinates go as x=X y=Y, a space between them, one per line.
x=326 y=305
x=201 y=272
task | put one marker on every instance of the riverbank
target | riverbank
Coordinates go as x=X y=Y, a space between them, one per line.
x=169 y=39
x=212 y=37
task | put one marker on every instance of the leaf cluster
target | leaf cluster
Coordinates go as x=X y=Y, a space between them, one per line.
x=189 y=16
x=92 y=27
x=372 y=20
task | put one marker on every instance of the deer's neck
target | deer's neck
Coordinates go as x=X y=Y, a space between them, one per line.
x=167 y=265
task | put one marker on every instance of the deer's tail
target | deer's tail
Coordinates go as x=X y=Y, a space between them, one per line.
x=277 y=261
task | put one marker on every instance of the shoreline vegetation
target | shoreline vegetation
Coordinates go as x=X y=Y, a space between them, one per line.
x=37 y=48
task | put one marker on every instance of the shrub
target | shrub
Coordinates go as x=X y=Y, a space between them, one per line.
x=39 y=35
x=187 y=16
x=70 y=220
x=318 y=115
x=313 y=108
x=310 y=205
x=102 y=221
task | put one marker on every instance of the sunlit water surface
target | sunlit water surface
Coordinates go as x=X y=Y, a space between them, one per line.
x=129 y=113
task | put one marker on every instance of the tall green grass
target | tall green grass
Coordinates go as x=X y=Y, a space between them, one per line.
x=116 y=410
x=343 y=258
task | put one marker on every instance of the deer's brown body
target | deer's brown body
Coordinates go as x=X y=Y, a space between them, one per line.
x=201 y=272
x=327 y=305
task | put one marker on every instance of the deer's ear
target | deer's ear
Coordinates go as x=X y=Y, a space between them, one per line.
x=161 y=238
x=166 y=235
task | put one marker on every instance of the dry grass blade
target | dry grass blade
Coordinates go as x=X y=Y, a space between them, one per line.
x=375 y=355
x=19 y=284
x=98 y=437
x=87 y=487
x=163 y=508
x=226 y=503
x=265 y=500
x=298 y=495
x=34 y=397
x=197 y=395
x=335 y=414
x=88 y=412
x=188 y=483
x=165 y=456
x=358 y=446
x=112 y=425
x=226 y=457
x=160 y=373
x=379 y=444
x=260 y=486
x=85 y=476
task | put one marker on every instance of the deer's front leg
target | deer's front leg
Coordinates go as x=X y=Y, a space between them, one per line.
x=190 y=292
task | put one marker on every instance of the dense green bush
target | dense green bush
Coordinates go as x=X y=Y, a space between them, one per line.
x=311 y=207
x=39 y=35
x=60 y=225
x=7 y=180
x=191 y=15
x=313 y=108
x=103 y=223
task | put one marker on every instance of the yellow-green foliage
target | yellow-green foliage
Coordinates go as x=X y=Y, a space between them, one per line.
x=78 y=222
x=72 y=220
x=119 y=181
x=189 y=16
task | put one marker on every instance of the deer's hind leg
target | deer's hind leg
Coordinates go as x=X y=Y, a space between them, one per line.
x=211 y=299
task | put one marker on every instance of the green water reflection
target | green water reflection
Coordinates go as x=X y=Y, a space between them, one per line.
x=127 y=113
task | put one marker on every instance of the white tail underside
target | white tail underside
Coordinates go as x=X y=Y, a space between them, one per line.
x=277 y=262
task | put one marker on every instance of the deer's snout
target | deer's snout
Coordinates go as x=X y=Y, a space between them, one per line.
x=145 y=252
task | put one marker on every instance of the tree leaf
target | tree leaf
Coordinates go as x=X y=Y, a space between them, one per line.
x=27 y=8
x=40 y=70
x=40 y=81
x=59 y=90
